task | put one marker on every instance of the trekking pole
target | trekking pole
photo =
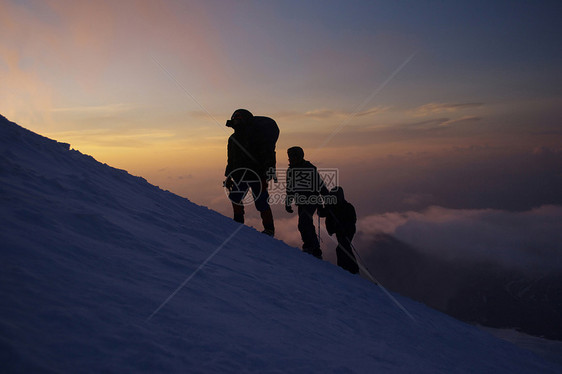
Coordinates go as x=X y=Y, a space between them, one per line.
x=319 y=226
x=361 y=264
x=319 y=238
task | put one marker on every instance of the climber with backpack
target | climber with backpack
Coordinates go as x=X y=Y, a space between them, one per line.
x=340 y=220
x=251 y=164
x=305 y=188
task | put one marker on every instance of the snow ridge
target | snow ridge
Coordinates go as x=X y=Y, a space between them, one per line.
x=102 y=272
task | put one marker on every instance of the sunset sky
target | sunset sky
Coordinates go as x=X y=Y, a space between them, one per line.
x=417 y=103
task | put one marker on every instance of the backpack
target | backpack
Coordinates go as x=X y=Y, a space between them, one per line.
x=266 y=133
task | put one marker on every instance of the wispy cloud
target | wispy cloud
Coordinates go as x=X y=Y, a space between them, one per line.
x=461 y=120
x=438 y=122
x=96 y=109
x=329 y=114
x=372 y=111
x=127 y=138
x=440 y=108
x=382 y=133
x=323 y=114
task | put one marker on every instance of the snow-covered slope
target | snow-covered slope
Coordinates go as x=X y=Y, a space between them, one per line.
x=102 y=272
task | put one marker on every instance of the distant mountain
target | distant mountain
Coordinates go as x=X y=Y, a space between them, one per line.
x=101 y=272
x=478 y=292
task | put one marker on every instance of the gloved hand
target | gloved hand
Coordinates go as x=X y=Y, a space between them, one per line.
x=289 y=208
x=228 y=183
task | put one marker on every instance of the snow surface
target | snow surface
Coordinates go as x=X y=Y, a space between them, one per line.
x=102 y=272
x=547 y=348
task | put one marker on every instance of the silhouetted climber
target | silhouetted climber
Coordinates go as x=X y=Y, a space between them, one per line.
x=305 y=188
x=251 y=164
x=340 y=220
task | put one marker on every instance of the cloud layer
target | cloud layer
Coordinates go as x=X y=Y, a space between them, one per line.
x=530 y=240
